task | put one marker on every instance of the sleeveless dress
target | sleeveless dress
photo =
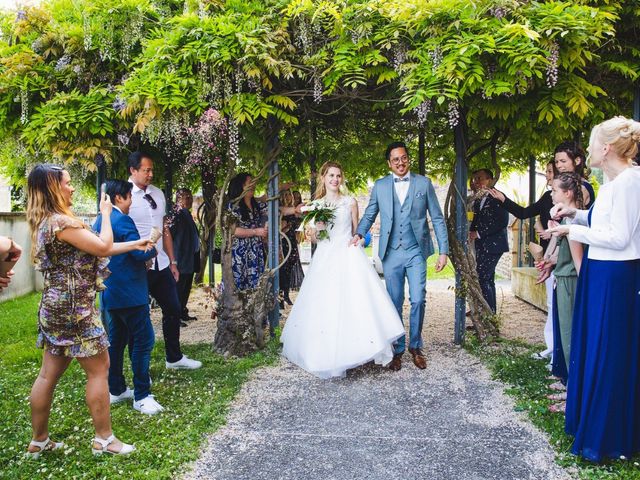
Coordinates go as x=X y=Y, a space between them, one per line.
x=343 y=316
x=69 y=323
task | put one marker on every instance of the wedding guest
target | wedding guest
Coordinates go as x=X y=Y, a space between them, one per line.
x=541 y=209
x=148 y=210
x=489 y=231
x=71 y=258
x=9 y=251
x=128 y=308
x=603 y=391
x=566 y=190
x=570 y=158
x=186 y=246
x=291 y=274
x=247 y=251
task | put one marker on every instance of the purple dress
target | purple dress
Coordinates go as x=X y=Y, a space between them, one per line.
x=68 y=321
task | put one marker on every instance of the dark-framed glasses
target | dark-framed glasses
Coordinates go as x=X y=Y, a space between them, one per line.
x=152 y=202
x=399 y=160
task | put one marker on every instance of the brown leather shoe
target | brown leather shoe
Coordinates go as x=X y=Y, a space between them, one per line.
x=419 y=359
x=396 y=363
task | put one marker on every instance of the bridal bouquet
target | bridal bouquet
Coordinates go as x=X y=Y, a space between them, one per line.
x=319 y=211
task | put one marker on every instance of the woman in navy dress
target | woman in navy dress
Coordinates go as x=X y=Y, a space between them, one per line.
x=603 y=394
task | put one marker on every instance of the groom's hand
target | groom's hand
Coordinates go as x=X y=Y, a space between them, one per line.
x=441 y=263
x=356 y=239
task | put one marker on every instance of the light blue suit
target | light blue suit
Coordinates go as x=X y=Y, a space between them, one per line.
x=405 y=244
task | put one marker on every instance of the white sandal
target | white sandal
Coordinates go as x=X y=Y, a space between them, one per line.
x=104 y=443
x=47 y=445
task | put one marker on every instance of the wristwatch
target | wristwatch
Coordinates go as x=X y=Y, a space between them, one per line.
x=174 y=262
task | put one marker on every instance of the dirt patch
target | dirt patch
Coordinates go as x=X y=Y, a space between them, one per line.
x=520 y=320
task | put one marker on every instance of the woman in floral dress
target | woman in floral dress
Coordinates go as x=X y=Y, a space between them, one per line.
x=248 y=250
x=72 y=260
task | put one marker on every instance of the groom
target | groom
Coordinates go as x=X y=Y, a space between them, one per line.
x=403 y=199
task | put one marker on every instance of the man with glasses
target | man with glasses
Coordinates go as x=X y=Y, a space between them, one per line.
x=403 y=200
x=148 y=209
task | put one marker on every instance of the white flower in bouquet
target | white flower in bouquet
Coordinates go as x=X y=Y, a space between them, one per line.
x=316 y=212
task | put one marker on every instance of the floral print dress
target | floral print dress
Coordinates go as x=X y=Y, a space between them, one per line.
x=248 y=254
x=69 y=323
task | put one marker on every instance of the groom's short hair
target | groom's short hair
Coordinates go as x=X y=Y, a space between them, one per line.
x=393 y=146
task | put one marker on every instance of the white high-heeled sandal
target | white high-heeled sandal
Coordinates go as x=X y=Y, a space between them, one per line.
x=47 y=445
x=104 y=443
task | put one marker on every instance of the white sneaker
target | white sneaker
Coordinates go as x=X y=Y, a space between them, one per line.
x=126 y=395
x=148 y=405
x=185 y=362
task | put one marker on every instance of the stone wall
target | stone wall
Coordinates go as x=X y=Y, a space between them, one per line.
x=26 y=278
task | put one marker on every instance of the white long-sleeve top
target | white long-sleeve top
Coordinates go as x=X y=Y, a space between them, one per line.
x=614 y=233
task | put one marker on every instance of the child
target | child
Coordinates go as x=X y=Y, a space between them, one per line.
x=566 y=189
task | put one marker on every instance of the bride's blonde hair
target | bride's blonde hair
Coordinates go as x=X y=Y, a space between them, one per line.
x=321 y=190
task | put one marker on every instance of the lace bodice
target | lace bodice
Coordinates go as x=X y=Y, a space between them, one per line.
x=341 y=227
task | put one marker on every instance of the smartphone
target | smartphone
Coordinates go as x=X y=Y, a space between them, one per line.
x=103 y=188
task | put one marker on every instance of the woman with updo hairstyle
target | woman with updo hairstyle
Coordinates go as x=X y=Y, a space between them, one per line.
x=603 y=390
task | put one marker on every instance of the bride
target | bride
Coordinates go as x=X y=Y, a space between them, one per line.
x=343 y=316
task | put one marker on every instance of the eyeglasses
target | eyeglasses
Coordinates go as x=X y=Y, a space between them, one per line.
x=399 y=160
x=151 y=201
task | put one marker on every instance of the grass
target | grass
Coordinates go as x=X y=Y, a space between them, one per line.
x=510 y=362
x=196 y=404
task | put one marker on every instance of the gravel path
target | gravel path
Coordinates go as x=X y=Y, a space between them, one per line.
x=450 y=421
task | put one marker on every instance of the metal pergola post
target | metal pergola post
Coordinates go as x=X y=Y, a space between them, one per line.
x=274 y=230
x=422 y=151
x=532 y=199
x=460 y=179
x=101 y=177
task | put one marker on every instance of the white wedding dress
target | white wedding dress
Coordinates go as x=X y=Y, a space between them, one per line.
x=343 y=316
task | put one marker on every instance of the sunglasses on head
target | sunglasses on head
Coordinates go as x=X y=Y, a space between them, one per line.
x=151 y=201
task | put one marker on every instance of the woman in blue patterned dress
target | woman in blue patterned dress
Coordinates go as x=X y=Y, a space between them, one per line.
x=248 y=250
x=72 y=260
x=603 y=390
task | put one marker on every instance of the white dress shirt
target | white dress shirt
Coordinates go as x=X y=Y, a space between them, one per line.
x=401 y=188
x=615 y=221
x=146 y=217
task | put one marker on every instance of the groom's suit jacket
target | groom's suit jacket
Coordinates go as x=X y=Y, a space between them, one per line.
x=422 y=198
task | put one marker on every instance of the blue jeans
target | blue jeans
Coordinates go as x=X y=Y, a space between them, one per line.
x=130 y=325
x=397 y=265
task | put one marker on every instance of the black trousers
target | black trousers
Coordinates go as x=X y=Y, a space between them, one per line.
x=162 y=287
x=185 y=281
x=486 y=264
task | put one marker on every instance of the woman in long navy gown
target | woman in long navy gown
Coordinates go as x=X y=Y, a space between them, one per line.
x=603 y=391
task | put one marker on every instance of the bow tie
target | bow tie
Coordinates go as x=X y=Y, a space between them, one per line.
x=404 y=179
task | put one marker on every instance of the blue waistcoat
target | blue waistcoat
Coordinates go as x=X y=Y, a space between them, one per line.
x=402 y=235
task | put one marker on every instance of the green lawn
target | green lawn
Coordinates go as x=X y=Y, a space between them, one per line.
x=196 y=404
x=510 y=362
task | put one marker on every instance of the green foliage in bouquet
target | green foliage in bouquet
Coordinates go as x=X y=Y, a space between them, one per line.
x=319 y=212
